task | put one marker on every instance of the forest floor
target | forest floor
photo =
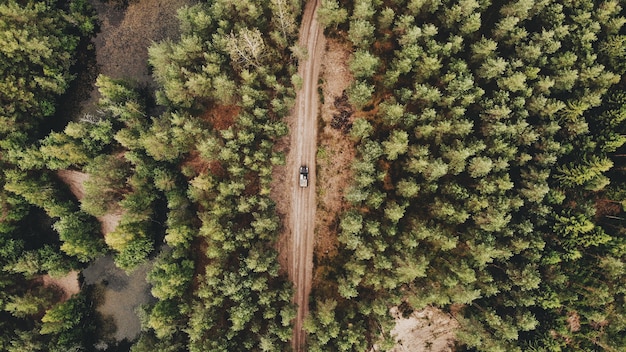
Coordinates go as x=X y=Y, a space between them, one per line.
x=67 y=285
x=125 y=35
x=428 y=329
x=335 y=151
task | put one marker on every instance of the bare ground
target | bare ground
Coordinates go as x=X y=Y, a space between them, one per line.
x=335 y=151
x=122 y=44
x=74 y=180
x=68 y=285
x=429 y=329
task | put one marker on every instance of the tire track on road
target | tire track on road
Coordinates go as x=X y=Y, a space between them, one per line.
x=302 y=152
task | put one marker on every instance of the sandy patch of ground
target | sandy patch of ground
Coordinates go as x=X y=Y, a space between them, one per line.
x=429 y=329
x=68 y=285
x=109 y=222
x=335 y=150
x=74 y=180
x=123 y=294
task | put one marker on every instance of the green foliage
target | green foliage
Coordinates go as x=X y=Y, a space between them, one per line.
x=33 y=262
x=586 y=174
x=169 y=137
x=61 y=151
x=70 y=324
x=106 y=184
x=170 y=277
x=134 y=253
x=80 y=235
x=31 y=303
x=119 y=99
x=360 y=129
x=284 y=21
x=76 y=230
x=220 y=221
x=361 y=33
x=330 y=13
x=396 y=145
x=181 y=87
x=477 y=176
x=360 y=93
x=38 y=41
x=330 y=329
x=79 y=143
x=163 y=319
x=39 y=190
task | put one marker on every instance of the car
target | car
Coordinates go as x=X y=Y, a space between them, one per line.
x=304 y=176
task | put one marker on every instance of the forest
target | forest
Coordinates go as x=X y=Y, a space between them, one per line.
x=192 y=187
x=489 y=180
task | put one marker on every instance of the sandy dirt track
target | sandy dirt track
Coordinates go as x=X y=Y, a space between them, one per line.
x=300 y=220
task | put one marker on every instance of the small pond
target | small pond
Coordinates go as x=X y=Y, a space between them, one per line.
x=122 y=296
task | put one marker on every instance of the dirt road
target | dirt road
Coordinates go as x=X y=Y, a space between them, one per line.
x=301 y=220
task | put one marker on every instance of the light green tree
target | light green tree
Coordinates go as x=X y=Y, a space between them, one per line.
x=396 y=145
x=330 y=13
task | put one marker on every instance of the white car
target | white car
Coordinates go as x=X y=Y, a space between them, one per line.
x=304 y=176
